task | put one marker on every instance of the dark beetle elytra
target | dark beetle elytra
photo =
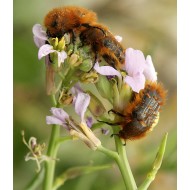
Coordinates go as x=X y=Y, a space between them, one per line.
x=140 y=116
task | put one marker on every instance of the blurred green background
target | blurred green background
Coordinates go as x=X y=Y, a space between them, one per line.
x=146 y=25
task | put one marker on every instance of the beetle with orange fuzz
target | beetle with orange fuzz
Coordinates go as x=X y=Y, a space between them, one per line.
x=82 y=23
x=142 y=113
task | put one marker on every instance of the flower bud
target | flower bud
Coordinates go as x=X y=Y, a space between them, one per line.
x=160 y=153
x=104 y=87
x=67 y=38
x=53 y=42
x=91 y=77
x=86 y=65
x=96 y=107
x=61 y=44
x=74 y=60
x=124 y=96
x=70 y=49
x=86 y=49
x=65 y=98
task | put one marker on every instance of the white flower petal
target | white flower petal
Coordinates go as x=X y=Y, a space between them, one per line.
x=149 y=70
x=134 y=61
x=76 y=89
x=106 y=70
x=39 y=42
x=59 y=113
x=53 y=120
x=59 y=117
x=45 y=50
x=39 y=32
x=81 y=103
x=136 y=82
x=61 y=57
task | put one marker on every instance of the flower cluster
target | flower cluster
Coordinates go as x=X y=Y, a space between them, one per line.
x=40 y=39
x=73 y=63
x=89 y=72
x=137 y=68
x=76 y=129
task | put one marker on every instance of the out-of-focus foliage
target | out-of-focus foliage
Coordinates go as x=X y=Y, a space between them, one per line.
x=146 y=25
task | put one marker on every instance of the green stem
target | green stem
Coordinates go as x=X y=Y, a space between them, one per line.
x=124 y=167
x=128 y=179
x=60 y=140
x=53 y=99
x=52 y=152
x=36 y=181
x=67 y=79
x=108 y=152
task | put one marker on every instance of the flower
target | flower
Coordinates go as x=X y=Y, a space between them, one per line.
x=149 y=71
x=106 y=70
x=47 y=49
x=35 y=151
x=138 y=69
x=59 y=117
x=81 y=103
x=40 y=38
x=76 y=129
x=134 y=65
x=39 y=35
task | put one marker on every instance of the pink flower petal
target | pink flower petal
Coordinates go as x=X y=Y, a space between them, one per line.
x=45 y=50
x=59 y=113
x=39 y=42
x=136 y=82
x=76 y=89
x=53 y=120
x=134 y=61
x=61 y=57
x=89 y=121
x=59 y=117
x=149 y=71
x=81 y=103
x=106 y=70
x=39 y=32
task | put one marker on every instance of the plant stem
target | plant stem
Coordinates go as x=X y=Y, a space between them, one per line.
x=124 y=165
x=128 y=179
x=61 y=140
x=36 y=181
x=52 y=152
